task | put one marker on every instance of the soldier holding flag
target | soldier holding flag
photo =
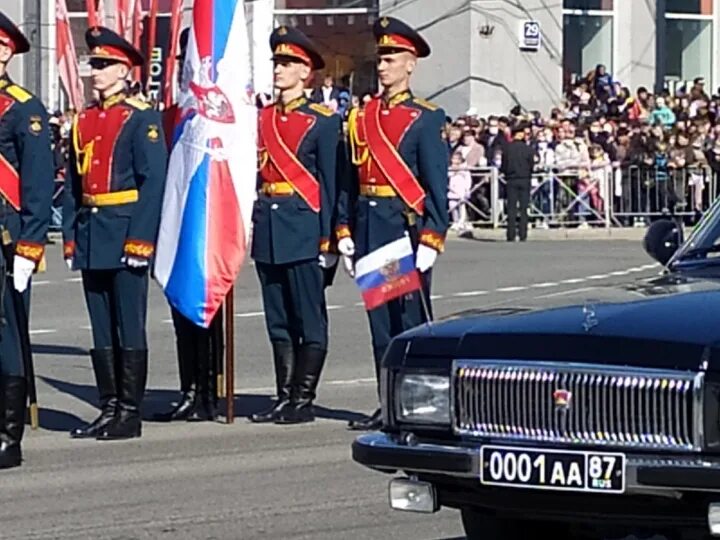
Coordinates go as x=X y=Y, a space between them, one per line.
x=400 y=188
x=298 y=147
x=26 y=186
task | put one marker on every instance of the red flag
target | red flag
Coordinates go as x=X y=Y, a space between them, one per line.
x=66 y=57
x=175 y=21
x=137 y=30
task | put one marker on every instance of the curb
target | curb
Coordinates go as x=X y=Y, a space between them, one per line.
x=634 y=234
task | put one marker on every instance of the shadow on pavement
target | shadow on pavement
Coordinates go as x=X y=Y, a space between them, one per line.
x=59 y=350
x=54 y=420
x=247 y=404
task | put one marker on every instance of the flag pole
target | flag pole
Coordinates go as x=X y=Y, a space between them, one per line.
x=92 y=13
x=229 y=356
x=152 y=31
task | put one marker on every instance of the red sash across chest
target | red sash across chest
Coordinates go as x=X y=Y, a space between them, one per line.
x=280 y=136
x=383 y=131
x=9 y=177
x=98 y=132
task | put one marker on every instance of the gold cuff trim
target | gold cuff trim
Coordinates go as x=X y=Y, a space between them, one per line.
x=324 y=245
x=69 y=249
x=30 y=250
x=342 y=231
x=139 y=248
x=433 y=239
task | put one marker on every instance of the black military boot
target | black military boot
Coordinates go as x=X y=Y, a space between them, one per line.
x=310 y=363
x=103 y=361
x=127 y=423
x=14 y=390
x=374 y=421
x=186 y=367
x=203 y=410
x=284 y=356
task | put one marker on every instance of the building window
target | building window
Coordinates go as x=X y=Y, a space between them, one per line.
x=325 y=4
x=689 y=48
x=601 y=5
x=587 y=42
x=693 y=7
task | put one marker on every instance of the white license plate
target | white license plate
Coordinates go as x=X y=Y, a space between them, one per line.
x=564 y=470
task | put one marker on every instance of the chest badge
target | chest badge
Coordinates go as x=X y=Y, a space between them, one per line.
x=153 y=133
x=35 y=125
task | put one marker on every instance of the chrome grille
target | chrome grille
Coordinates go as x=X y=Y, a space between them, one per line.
x=578 y=404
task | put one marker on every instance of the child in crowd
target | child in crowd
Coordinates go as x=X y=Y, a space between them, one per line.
x=459 y=184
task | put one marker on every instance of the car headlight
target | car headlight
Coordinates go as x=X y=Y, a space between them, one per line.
x=424 y=399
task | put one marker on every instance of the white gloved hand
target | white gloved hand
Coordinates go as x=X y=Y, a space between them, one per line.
x=69 y=263
x=135 y=262
x=346 y=246
x=425 y=258
x=22 y=270
x=327 y=260
x=349 y=266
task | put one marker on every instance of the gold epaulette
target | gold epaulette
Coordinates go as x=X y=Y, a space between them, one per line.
x=20 y=94
x=426 y=104
x=358 y=148
x=137 y=103
x=322 y=109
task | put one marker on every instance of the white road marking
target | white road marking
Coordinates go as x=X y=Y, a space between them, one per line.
x=544 y=285
x=339 y=382
x=249 y=314
x=41 y=331
x=619 y=273
x=599 y=276
x=41 y=282
x=468 y=294
x=572 y=281
x=436 y=296
x=568 y=292
x=73 y=280
x=512 y=289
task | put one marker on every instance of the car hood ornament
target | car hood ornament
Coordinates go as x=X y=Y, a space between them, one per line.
x=590 y=320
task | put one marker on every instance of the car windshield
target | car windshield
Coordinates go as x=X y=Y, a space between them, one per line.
x=703 y=243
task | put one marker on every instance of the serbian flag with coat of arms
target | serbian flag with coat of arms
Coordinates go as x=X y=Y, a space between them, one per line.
x=210 y=189
x=387 y=273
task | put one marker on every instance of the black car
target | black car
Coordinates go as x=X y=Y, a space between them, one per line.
x=595 y=417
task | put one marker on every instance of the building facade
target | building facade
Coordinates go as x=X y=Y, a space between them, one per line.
x=488 y=55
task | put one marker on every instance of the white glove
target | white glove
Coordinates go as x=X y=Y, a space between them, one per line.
x=327 y=260
x=22 y=271
x=135 y=262
x=346 y=246
x=425 y=258
x=69 y=263
x=349 y=266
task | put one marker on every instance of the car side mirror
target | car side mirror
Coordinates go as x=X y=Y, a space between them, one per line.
x=662 y=239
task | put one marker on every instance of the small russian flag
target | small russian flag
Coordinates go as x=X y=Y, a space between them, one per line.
x=387 y=273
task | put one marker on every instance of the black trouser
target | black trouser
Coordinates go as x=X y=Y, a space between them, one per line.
x=518 y=200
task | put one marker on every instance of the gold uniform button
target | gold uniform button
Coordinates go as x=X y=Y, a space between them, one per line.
x=273 y=188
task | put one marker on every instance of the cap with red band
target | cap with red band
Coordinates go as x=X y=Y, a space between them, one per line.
x=11 y=36
x=288 y=42
x=105 y=44
x=393 y=35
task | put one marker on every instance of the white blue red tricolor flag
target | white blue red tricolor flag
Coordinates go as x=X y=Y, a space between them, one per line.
x=210 y=189
x=387 y=273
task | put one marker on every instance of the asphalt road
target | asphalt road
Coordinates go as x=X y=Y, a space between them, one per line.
x=246 y=481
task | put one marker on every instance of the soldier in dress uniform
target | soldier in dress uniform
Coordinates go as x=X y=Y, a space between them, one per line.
x=401 y=183
x=111 y=214
x=199 y=350
x=297 y=144
x=26 y=188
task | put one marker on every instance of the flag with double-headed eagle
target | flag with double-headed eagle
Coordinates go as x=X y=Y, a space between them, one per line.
x=210 y=190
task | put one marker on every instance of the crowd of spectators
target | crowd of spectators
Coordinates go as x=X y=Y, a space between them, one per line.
x=662 y=150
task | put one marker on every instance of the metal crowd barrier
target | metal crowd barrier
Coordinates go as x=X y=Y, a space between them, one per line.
x=613 y=197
